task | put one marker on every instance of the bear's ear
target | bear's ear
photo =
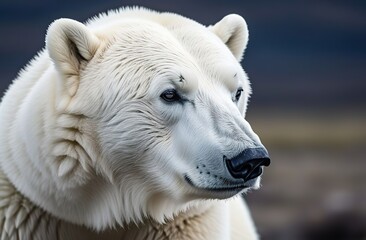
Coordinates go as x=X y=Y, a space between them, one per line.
x=233 y=31
x=69 y=44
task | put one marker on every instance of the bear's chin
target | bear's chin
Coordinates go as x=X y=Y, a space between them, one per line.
x=169 y=210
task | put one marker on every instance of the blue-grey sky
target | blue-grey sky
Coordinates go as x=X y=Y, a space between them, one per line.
x=301 y=54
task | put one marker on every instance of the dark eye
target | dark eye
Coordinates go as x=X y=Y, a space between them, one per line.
x=238 y=94
x=170 y=95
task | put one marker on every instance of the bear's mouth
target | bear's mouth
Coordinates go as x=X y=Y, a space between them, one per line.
x=230 y=188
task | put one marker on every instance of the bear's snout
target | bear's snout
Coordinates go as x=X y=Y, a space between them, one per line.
x=248 y=164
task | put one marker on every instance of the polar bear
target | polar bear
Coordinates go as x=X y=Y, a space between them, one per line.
x=131 y=126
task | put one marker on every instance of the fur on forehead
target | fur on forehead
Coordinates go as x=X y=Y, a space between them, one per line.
x=138 y=54
x=164 y=47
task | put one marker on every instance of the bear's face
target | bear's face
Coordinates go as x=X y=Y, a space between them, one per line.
x=167 y=102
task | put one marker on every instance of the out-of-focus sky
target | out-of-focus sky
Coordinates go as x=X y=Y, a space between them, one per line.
x=301 y=54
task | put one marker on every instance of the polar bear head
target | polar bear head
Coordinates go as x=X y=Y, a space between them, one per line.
x=150 y=115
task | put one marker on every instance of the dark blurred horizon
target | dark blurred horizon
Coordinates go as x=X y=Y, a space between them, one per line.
x=301 y=54
x=307 y=64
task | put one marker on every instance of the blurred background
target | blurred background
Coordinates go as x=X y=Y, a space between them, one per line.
x=307 y=64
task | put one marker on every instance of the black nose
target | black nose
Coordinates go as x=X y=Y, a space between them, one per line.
x=248 y=164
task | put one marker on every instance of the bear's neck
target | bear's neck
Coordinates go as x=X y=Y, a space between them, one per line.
x=33 y=145
x=20 y=217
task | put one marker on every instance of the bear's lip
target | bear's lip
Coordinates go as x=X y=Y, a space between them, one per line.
x=228 y=188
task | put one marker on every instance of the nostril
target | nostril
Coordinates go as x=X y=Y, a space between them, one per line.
x=257 y=168
x=248 y=164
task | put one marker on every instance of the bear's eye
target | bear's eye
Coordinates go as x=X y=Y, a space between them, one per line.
x=170 y=95
x=238 y=94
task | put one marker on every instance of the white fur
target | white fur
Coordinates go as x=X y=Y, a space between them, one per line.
x=85 y=135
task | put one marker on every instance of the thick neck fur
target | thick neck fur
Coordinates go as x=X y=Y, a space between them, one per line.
x=40 y=147
x=21 y=219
